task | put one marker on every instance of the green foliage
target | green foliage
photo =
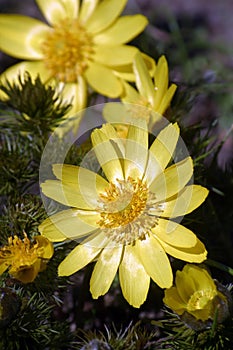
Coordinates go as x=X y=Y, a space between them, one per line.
x=133 y=337
x=31 y=326
x=32 y=107
x=179 y=336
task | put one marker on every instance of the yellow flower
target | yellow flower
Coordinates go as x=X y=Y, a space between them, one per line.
x=83 y=42
x=25 y=259
x=126 y=217
x=195 y=292
x=152 y=97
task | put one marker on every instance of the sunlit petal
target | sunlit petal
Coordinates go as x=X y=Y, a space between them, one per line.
x=155 y=261
x=54 y=10
x=174 y=234
x=196 y=254
x=122 y=31
x=80 y=256
x=69 y=194
x=116 y=55
x=187 y=200
x=173 y=179
x=87 y=8
x=104 y=15
x=136 y=149
x=134 y=280
x=107 y=155
x=161 y=151
x=22 y=36
x=126 y=72
x=103 y=80
x=105 y=270
x=68 y=224
x=143 y=79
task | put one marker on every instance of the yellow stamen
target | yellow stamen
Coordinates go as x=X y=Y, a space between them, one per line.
x=201 y=298
x=125 y=210
x=67 y=50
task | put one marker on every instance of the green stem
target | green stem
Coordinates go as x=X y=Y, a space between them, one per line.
x=220 y=266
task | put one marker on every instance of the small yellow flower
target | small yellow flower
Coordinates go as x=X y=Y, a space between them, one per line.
x=195 y=293
x=126 y=217
x=152 y=97
x=25 y=259
x=83 y=42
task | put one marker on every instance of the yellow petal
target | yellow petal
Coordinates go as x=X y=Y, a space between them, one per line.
x=123 y=30
x=68 y=224
x=87 y=184
x=104 y=15
x=161 y=151
x=187 y=200
x=105 y=270
x=161 y=81
x=173 y=179
x=166 y=100
x=114 y=55
x=107 y=155
x=155 y=261
x=103 y=80
x=22 y=36
x=174 y=234
x=126 y=72
x=185 y=285
x=69 y=194
x=143 y=79
x=200 y=277
x=136 y=149
x=111 y=133
x=26 y=275
x=88 y=181
x=87 y=8
x=196 y=254
x=134 y=280
x=173 y=300
x=81 y=256
x=54 y=10
x=47 y=246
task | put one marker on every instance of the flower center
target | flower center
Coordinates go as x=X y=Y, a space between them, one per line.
x=67 y=50
x=125 y=210
x=20 y=253
x=200 y=299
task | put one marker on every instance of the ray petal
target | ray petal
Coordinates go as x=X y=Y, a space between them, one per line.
x=68 y=224
x=105 y=270
x=122 y=31
x=80 y=256
x=104 y=15
x=22 y=36
x=155 y=261
x=136 y=149
x=174 y=234
x=173 y=179
x=190 y=198
x=161 y=151
x=134 y=280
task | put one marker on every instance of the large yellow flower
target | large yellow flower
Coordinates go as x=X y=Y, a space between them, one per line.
x=126 y=217
x=195 y=293
x=83 y=42
x=25 y=259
